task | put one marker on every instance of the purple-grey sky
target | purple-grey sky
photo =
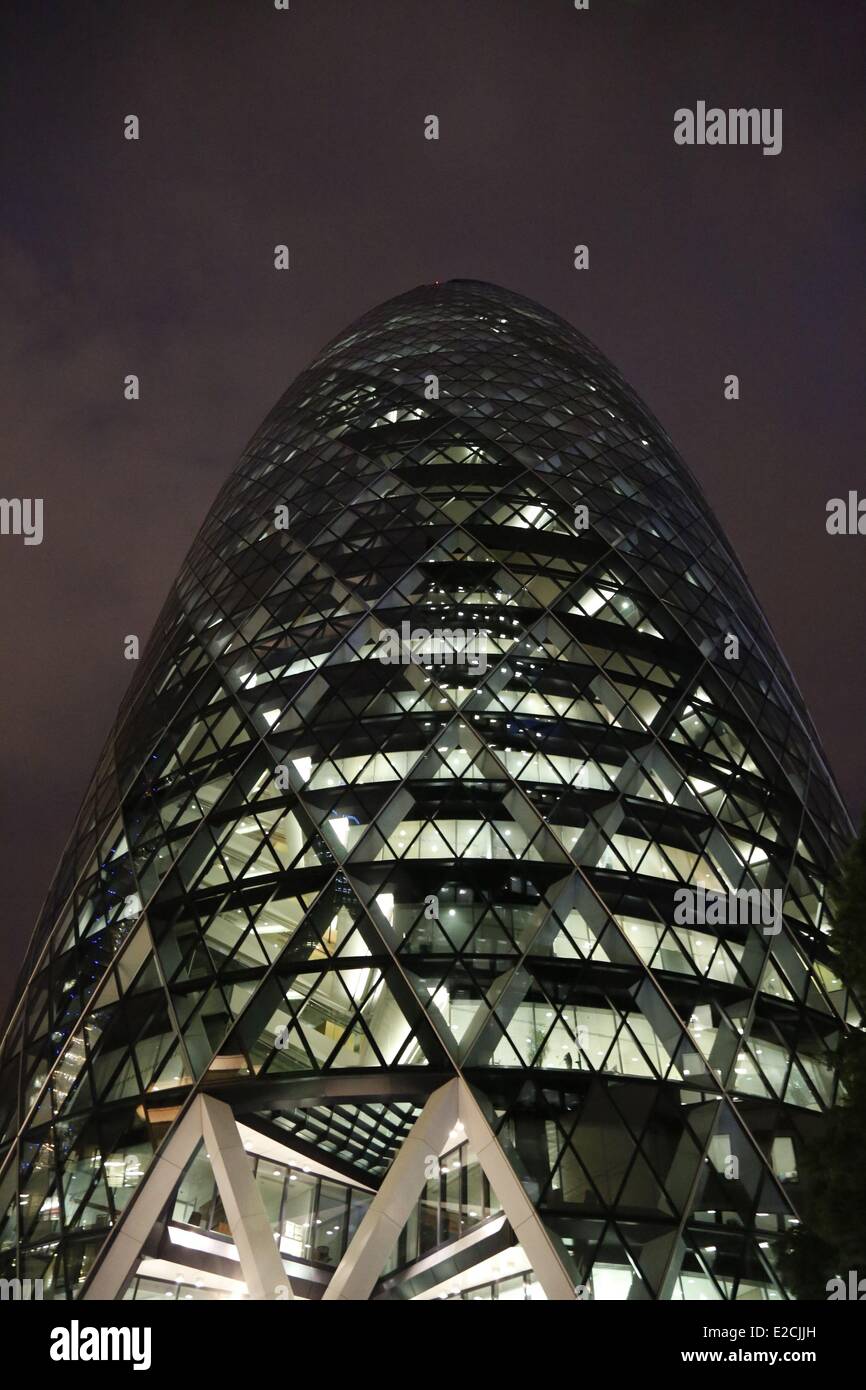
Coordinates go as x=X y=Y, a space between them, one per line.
x=307 y=127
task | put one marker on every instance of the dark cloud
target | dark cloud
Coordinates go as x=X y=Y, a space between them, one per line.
x=306 y=127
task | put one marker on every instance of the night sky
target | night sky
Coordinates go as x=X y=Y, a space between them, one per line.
x=261 y=127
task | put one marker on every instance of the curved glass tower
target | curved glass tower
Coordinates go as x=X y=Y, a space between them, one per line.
x=461 y=845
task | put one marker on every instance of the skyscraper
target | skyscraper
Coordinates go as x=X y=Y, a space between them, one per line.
x=460 y=850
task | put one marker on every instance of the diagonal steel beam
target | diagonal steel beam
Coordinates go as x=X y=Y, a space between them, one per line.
x=364 y=1260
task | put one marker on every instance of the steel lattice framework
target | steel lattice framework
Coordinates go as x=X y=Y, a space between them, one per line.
x=318 y=885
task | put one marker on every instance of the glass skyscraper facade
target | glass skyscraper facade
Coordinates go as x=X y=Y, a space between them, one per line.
x=461 y=749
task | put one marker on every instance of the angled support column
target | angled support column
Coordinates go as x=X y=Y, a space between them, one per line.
x=213 y=1121
x=245 y=1211
x=543 y=1250
x=135 y=1225
x=364 y=1260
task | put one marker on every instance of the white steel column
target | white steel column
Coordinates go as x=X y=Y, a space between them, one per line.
x=262 y=1267
x=213 y=1121
x=364 y=1260
x=392 y=1206
x=137 y=1222
x=543 y=1250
